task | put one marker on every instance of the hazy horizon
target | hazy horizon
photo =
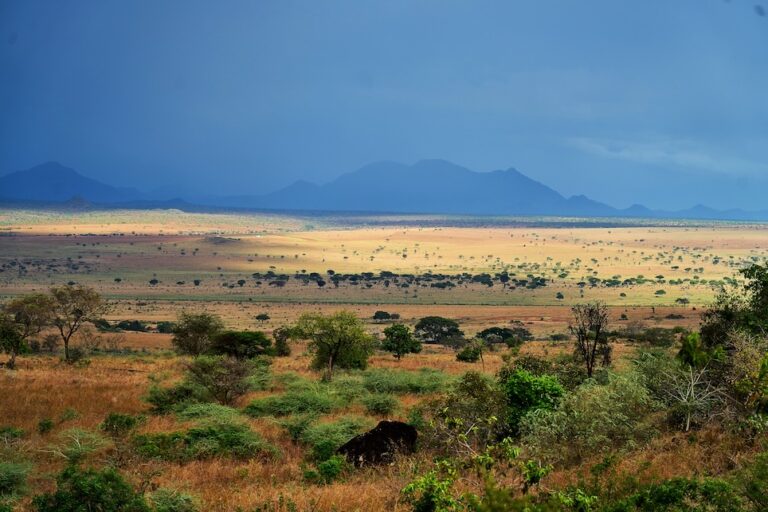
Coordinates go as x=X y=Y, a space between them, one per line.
x=655 y=102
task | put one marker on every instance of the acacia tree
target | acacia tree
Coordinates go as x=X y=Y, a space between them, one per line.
x=72 y=306
x=399 y=340
x=590 y=326
x=24 y=317
x=337 y=340
x=194 y=332
x=436 y=329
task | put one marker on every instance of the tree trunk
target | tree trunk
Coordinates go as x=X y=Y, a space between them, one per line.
x=11 y=364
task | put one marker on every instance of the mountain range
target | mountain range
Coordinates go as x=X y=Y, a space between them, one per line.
x=426 y=187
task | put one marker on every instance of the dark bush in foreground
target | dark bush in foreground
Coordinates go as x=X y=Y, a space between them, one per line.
x=81 y=490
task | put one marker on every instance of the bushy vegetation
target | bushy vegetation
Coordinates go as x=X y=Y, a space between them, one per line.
x=316 y=401
x=206 y=440
x=400 y=381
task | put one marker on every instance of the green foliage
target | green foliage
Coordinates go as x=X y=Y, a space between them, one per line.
x=466 y=420
x=525 y=392
x=209 y=411
x=166 y=327
x=241 y=344
x=168 y=399
x=297 y=424
x=469 y=354
x=91 y=490
x=210 y=439
x=683 y=495
x=399 y=381
x=316 y=401
x=76 y=444
x=225 y=379
x=170 y=500
x=327 y=471
x=44 y=426
x=693 y=352
x=281 y=336
x=436 y=329
x=592 y=419
x=119 y=425
x=194 y=333
x=399 y=340
x=380 y=404
x=512 y=336
x=432 y=492
x=337 y=340
x=753 y=482
x=325 y=438
x=13 y=478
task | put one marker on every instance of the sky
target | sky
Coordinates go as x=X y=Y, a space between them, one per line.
x=658 y=102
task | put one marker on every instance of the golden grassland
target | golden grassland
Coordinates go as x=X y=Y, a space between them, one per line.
x=119 y=253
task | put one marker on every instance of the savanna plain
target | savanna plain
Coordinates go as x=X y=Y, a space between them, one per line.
x=218 y=361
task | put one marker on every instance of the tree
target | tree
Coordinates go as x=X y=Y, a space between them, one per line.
x=241 y=344
x=30 y=314
x=72 y=307
x=436 y=329
x=525 y=392
x=590 y=326
x=224 y=378
x=339 y=340
x=194 y=332
x=262 y=317
x=281 y=336
x=381 y=316
x=399 y=340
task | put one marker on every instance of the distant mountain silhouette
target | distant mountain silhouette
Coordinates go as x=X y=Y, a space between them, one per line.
x=426 y=187
x=431 y=186
x=52 y=182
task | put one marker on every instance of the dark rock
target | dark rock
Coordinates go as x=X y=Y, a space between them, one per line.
x=379 y=445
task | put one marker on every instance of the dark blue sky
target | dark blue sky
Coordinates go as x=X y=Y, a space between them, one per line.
x=653 y=101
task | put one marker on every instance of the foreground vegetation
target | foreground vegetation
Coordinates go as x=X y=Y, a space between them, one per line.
x=599 y=418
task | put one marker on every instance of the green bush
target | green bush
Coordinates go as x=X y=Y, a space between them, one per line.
x=210 y=411
x=325 y=438
x=469 y=354
x=241 y=344
x=298 y=424
x=525 y=392
x=169 y=399
x=426 y=380
x=170 y=500
x=328 y=470
x=592 y=419
x=225 y=379
x=682 y=494
x=9 y=435
x=44 y=426
x=118 y=425
x=381 y=404
x=317 y=401
x=13 y=477
x=213 y=439
x=80 y=490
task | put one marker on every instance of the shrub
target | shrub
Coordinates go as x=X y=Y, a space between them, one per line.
x=165 y=400
x=469 y=354
x=316 y=401
x=44 y=426
x=119 y=425
x=170 y=500
x=241 y=344
x=325 y=438
x=298 y=424
x=328 y=470
x=77 y=443
x=166 y=327
x=683 y=494
x=213 y=439
x=400 y=381
x=208 y=411
x=90 y=489
x=381 y=404
x=193 y=333
x=281 y=336
x=13 y=477
x=224 y=378
x=753 y=482
x=525 y=392
x=132 y=325
x=592 y=419
x=399 y=340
